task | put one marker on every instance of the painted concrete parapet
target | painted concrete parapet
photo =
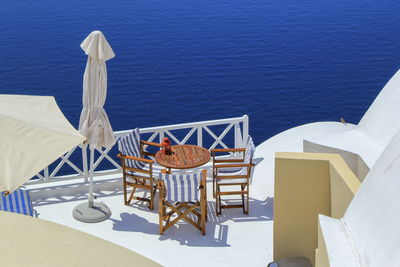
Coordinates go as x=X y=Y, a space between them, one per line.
x=306 y=185
x=353 y=160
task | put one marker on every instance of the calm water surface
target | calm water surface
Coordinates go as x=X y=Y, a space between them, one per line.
x=282 y=62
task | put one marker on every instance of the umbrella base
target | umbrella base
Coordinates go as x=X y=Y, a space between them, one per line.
x=98 y=213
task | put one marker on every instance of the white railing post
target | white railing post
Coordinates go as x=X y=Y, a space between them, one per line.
x=46 y=173
x=85 y=163
x=200 y=136
x=161 y=136
x=238 y=136
x=245 y=128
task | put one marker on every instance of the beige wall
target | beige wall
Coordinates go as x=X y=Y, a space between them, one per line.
x=343 y=185
x=307 y=184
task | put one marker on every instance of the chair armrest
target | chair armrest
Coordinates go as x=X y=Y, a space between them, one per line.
x=150 y=143
x=228 y=150
x=233 y=165
x=135 y=158
x=228 y=160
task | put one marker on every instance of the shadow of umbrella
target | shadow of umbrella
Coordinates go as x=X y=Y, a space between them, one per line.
x=131 y=222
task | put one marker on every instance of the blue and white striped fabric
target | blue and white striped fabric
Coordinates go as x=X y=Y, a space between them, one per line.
x=182 y=187
x=249 y=154
x=18 y=201
x=250 y=149
x=129 y=145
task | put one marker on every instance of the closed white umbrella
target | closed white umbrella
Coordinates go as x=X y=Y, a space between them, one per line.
x=33 y=134
x=94 y=123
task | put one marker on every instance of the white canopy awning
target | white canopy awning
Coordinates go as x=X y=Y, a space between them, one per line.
x=28 y=241
x=33 y=134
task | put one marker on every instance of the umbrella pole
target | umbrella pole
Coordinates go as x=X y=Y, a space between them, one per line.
x=91 y=177
x=93 y=211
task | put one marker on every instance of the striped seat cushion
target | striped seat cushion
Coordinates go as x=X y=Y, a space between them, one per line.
x=232 y=171
x=182 y=187
x=18 y=201
x=231 y=181
x=139 y=174
x=129 y=145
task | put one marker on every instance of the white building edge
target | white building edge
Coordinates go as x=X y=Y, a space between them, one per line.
x=368 y=234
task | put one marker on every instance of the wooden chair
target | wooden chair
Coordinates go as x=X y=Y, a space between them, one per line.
x=233 y=172
x=137 y=171
x=181 y=195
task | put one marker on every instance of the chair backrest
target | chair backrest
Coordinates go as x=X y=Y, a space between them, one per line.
x=19 y=201
x=248 y=157
x=250 y=150
x=249 y=154
x=129 y=145
x=182 y=187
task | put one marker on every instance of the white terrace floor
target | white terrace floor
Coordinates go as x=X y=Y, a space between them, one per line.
x=232 y=239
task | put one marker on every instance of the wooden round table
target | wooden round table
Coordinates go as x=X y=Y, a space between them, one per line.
x=184 y=157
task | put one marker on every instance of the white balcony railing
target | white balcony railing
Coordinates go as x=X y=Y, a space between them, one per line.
x=238 y=127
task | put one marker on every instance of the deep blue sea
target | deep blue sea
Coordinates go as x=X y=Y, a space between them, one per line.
x=282 y=62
